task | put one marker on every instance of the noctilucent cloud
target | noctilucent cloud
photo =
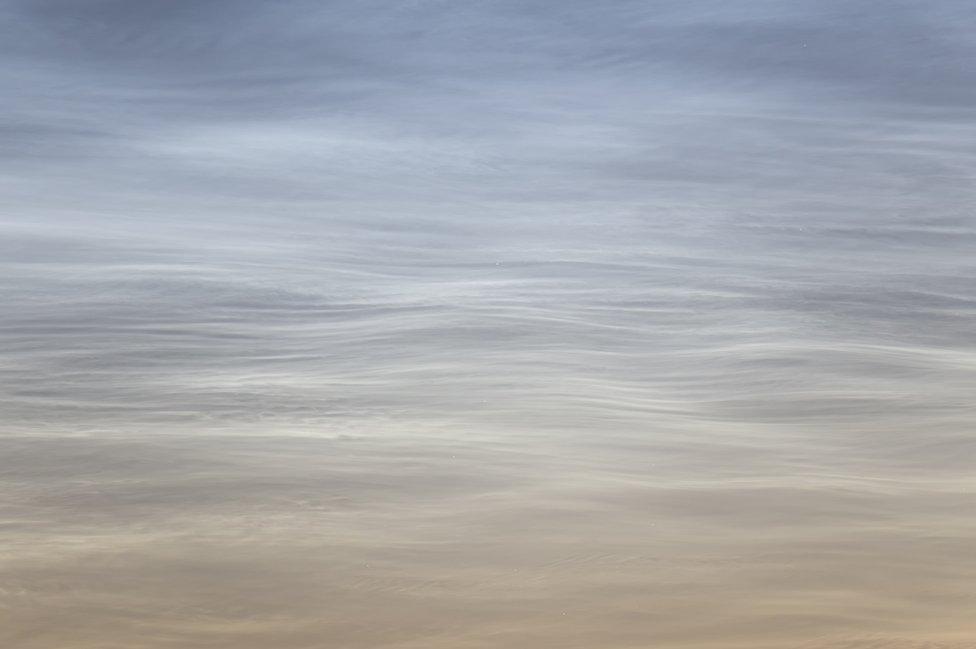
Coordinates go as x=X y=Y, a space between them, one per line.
x=481 y=324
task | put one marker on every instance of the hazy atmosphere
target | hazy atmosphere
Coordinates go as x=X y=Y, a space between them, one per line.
x=518 y=324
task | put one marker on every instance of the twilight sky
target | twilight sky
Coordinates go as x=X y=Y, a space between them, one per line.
x=162 y=157
x=478 y=324
x=170 y=106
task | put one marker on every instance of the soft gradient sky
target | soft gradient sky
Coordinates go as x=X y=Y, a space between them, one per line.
x=159 y=152
x=467 y=324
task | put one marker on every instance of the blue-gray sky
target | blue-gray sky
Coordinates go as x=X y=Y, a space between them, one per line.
x=289 y=102
x=165 y=160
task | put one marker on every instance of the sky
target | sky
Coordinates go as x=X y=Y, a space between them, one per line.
x=157 y=152
x=178 y=105
x=487 y=323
